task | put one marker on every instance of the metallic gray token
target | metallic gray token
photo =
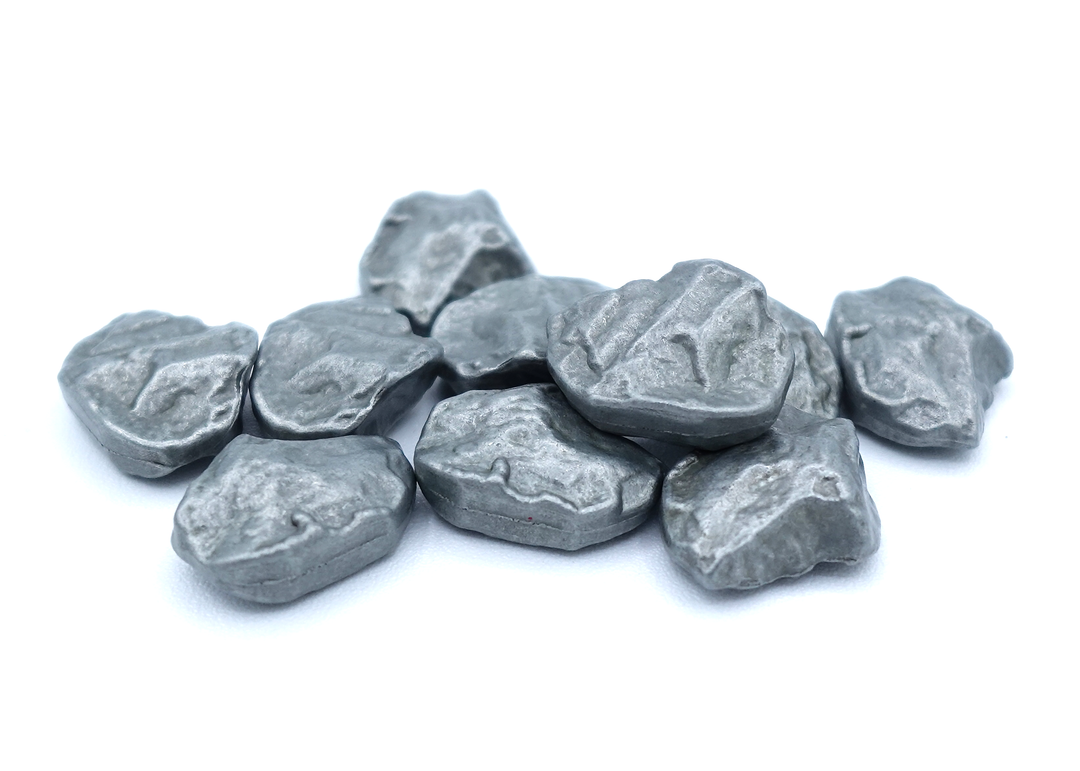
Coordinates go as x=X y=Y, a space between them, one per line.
x=918 y=367
x=159 y=391
x=816 y=384
x=692 y=359
x=340 y=367
x=496 y=337
x=271 y=520
x=771 y=508
x=523 y=466
x=431 y=249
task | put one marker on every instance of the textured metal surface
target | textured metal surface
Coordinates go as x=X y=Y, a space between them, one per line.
x=816 y=384
x=341 y=367
x=431 y=249
x=496 y=337
x=523 y=466
x=271 y=520
x=918 y=367
x=771 y=508
x=691 y=359
x=159 y=391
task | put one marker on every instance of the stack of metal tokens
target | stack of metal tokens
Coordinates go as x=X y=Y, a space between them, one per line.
x=553 y=377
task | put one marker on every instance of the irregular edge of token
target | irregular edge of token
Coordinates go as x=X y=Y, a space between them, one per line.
x=822 y=362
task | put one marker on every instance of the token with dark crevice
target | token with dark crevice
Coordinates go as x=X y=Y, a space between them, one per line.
x=432 y=249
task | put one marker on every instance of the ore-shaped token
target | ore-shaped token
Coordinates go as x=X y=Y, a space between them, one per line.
x=771 y=508
x=336 y=368
x=692 y=359
x=431 y=249
x=496 y=337
x=272 y=520
x=523 y=466
x=918 y=367
x=159 y=391
x=816 y=383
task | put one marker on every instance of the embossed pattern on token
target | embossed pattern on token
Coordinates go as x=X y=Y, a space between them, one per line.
x=691 y=359
x=523 y=466
x=918 y=367
x=771 y=508
x=496 y=337
x=336 y=368
x=816 y=384
x=159 y=391
x=431 y=249
x=272 y=520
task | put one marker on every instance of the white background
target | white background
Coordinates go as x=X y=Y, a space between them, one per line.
x=232 y=161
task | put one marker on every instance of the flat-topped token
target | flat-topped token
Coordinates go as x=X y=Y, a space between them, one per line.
x=523 y=466
x=336 y=368
x=272 y=520
x=159 y=391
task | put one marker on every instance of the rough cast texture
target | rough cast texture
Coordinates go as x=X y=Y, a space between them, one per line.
x=270 y=520
x=431 y=249
x=496 y=337
x=691 y=359
x=521 y=465
x=918 y=368
x=159 y=391
x=771 y=508
x=816 y=384
x=337 y=368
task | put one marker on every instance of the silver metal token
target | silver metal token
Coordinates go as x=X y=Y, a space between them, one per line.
x=431 y=249
x=523 y=466
x=272 y=520
x=496 y=337
x=336 y=368
x=918 y=367
x=771 y=508
x=692 y=359
x=816 y=384
x=159 y=391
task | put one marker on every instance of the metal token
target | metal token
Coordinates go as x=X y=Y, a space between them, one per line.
x=431 y=249
x=815 y=384
x=918 y=367
x=692 y=359
x=336 y=368
x=272 y=520
x=496 y=337
x=523 y=466
x=159 y=391
x=771 y=508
